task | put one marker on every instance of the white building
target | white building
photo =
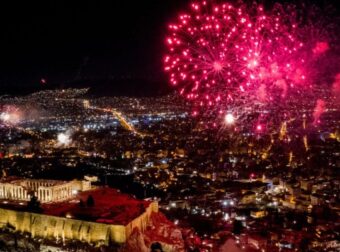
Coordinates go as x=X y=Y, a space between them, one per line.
x=45 y=190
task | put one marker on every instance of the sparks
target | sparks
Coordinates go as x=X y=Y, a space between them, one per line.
x=221 y=56
x=229 y=119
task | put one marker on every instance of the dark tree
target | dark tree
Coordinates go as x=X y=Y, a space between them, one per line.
x=90 y=201
x=81 y=203
x=304 y=245
x=156 y=247
x=237 y=227
x=34 y=205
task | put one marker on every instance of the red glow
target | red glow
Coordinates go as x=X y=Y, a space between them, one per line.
x=319 y=109
x=217 y=66
x=259 y=127
x=248 y=53
x=321 y=47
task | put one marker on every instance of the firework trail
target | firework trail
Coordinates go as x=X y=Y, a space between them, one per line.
x=320 y=108
x=336 y=88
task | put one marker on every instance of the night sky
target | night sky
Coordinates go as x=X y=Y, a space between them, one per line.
x=117 y=42
x=87 y=41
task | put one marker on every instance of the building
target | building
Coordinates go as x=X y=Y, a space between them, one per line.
x=256 y=214
x=44 y=190
x=111 y=218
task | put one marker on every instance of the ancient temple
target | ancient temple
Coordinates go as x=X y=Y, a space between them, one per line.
x=44 y=190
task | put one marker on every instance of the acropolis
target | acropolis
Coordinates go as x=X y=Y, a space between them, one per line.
x=64 y=214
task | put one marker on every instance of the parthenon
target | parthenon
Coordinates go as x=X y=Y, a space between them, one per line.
x=45 y=190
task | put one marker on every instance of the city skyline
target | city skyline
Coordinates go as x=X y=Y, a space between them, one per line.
x=170 y=126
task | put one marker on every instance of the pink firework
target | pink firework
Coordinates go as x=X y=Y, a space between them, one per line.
x=336 y=88
x=221 y=56
x=318 y=110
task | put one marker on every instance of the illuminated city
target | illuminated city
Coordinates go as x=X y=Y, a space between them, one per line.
x=223 y=135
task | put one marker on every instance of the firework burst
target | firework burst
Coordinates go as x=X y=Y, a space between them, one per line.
x=235 y=59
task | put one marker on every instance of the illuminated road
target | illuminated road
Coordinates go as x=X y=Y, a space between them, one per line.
x=123 y=121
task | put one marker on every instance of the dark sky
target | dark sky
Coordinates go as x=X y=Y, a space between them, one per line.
x=69 y=41
x=63 y=41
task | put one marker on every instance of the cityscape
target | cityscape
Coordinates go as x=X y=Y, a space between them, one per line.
x=205 y=166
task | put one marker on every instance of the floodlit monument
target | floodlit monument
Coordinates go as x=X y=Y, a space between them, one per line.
x=67 y=213
x=44 y=190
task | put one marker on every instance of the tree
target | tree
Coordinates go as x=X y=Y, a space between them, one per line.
x=156 y=247
x=34 y=205
x=304 y=244
x=238 y=227
x=81 y=203
x=90 y=201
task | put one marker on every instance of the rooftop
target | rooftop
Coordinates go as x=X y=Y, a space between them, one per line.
x=110 y=207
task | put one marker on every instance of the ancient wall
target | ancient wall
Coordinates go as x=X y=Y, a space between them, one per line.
x=51 y=227
x=44 y=226
x=143 y=220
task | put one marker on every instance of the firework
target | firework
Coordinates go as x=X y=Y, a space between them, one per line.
x=336 y=87
x=229 y=119
x=10 y=115
x=64 y=139
x=231 y=58
x=5 y=117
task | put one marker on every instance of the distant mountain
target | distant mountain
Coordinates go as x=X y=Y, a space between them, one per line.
x=100 y=87
x=123 y=87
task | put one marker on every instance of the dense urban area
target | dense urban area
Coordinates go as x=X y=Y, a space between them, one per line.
x=219 y=188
